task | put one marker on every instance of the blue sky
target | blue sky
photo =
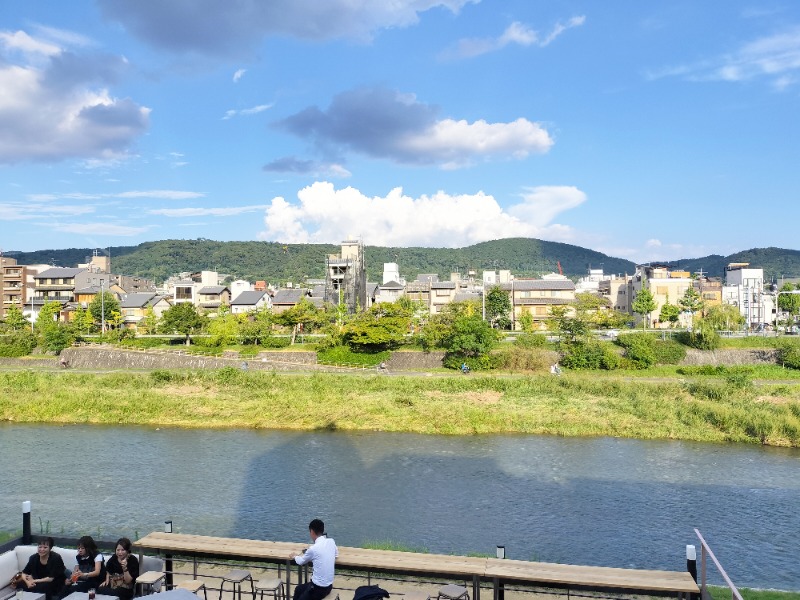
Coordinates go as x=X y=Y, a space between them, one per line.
x=646 y=130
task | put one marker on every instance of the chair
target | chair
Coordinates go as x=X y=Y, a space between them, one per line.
x=451 y=591
x=194 y=586
x=235 y=577
x=271 y=586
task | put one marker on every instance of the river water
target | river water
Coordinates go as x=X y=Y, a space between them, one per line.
x=593 y=501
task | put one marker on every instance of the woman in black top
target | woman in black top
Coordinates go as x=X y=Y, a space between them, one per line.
x=44 y=572
x=122 y=569
x=90 y=570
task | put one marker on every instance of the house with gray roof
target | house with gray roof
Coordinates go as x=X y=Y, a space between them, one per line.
x=250 y=301
x=285 y=299
x=212 y=297
x=537 y=297
x=135 y=307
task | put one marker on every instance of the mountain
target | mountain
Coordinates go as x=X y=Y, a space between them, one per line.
x=776 y=262
x=276 y=262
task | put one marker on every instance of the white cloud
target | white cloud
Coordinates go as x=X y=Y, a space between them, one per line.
x=775 y=57
x=56 y=104
x=653 y=243
x=385 y=123
x=229 y=114
x=109 y=229
x=12 y=211
x=238 y=75
x=227 y=211
x=442 y=219
x=516 y=33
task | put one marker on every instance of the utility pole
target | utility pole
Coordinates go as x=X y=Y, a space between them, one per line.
x=102 y=309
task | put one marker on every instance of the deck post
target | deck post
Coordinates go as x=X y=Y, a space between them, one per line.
x=168 y=559
x=691 y=566
x=26 y=523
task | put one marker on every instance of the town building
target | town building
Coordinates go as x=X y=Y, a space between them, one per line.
x=346 y=277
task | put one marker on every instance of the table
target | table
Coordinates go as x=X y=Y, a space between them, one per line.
x=463 y=568
x=85 y=596
x=575 y=576
x=28 y=596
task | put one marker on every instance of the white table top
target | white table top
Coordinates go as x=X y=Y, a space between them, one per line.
x=29 y=595
x=85 y=596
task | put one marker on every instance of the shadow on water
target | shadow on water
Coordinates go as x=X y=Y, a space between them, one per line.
x=546 y=499
x=595 y=501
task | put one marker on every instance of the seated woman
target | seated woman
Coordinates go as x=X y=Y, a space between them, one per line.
x=90 y=572
x=44 y=573
x=122 y=569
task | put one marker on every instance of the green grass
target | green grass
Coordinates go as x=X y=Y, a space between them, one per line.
x=572 y=405
x=723 y=593
x=391 y=545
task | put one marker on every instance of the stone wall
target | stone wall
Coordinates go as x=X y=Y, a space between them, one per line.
x=109 y=357
x=414 y=361
x=743 y=356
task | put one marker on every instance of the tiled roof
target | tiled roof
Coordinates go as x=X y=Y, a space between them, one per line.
x=248 y=298
x=212 y=289
x=523 y=285
x=59 y=272
x=137 y=300
x=292 y=296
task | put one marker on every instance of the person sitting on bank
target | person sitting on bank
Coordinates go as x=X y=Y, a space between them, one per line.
x=90 y=570
x=122 y=569
x=322 y=554
x=44 y=573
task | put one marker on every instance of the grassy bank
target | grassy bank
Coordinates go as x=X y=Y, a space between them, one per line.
x=573 y=405
x=723 y=593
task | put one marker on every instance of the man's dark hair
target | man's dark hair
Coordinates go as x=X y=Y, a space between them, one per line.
x=317 y=526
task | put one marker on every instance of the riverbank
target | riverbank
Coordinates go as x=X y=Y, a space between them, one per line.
x=572 y=405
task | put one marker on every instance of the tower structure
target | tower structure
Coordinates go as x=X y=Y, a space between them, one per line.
x=346 y=276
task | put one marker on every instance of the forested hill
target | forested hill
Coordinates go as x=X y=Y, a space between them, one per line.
x=275 y=262
x=776 y=262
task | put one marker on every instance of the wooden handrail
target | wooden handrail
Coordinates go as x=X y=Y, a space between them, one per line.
x=705 y=548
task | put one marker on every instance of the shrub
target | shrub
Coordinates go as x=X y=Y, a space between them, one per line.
x=669 y=352
x=18 y=343
x=589 y=355
x=484 y=362
x=343 y=355
x=275 y=342
x=530 y=340
x=703 y=339
x=517 y=358
x=789 y=354
x=639 y=349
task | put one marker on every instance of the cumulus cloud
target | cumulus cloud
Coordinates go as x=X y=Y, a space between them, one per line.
x=229 y=114
x=238 y=75
x=56 y=103
x=214 y=27
x=442 y=219
x=517 y=34
x=384 y=123
x=227 y=211
x=775 y=57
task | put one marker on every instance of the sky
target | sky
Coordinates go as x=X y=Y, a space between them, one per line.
x=645 y=130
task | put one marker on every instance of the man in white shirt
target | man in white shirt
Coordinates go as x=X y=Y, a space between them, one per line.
x=322 y=555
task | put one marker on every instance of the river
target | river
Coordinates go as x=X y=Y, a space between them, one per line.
x=595 y=501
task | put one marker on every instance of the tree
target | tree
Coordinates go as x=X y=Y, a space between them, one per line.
x=149 y=322
x=184 y=319
x=82 y=319
x=470 y=337
x=382 y=327
x=498 y=308
x=789 y=302
x=15 y=320
x=643 y=304
x=670 y=313
x=102 y=305
x=303 y=316
x=724 y=317
x=691 y=302
x=223 y=330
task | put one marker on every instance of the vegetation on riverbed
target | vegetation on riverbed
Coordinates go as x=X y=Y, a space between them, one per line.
x=705 y=409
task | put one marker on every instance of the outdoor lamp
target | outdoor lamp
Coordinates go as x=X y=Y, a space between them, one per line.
x=501 y=552
x=167 y=526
